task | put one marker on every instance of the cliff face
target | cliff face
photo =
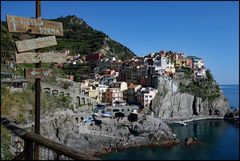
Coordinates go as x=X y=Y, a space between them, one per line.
x=183 y=105
x=193 y=98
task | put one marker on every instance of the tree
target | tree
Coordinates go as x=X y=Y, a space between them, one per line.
x=209 y=74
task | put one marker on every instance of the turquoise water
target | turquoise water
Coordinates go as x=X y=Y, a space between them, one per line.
x=219 y=140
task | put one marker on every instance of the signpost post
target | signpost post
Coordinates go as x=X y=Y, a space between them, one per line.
x=40 y=27
x=37 y=92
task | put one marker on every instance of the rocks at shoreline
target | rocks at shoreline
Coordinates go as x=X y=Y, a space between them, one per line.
x=233 y=116
x=190 y=140
x=67 y=128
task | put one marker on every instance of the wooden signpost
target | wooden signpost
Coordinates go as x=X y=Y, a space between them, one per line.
x=37 y=73
x=32 y=57
x=34 y=26
x=37 y=43
x=41 y=27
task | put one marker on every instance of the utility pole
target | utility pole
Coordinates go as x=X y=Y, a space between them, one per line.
x=37 y=90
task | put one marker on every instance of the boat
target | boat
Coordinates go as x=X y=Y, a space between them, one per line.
x=107 y=114
x=182 y=123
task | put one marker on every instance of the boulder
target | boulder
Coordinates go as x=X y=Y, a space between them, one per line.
x=190 y=140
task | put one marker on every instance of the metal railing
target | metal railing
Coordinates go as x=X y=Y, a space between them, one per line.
x=60 y=151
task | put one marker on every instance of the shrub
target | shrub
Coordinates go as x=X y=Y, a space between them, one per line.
x=20 y=118
x=5 y=144
x=206 y=89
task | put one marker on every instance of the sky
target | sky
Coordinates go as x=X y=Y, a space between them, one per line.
x=206 y=29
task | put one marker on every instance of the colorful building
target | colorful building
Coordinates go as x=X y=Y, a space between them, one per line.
x=145 y=96
x=130 y=95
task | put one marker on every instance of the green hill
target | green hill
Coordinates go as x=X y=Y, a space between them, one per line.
x=79 y=38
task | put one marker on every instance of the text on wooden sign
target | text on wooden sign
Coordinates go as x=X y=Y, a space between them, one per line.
x=32 y=57
x=34 y=26
x=37 y=43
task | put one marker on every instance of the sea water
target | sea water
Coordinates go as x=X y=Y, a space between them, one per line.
x=218 y=139
x=232 y=94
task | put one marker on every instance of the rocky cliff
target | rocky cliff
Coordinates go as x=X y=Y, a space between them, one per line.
x=184 y=105
x=195 y=97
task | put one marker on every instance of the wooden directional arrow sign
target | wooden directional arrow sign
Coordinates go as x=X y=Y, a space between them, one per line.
x=37 y=43
x=37 y=73
x=31 y=57
x=34 y=26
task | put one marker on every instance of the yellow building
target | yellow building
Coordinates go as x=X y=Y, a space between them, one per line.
x=93 y=92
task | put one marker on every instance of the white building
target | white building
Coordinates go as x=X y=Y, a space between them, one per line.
x=174 y=87
x=145 y=96
x=117 y=95
x=200 y=73
x=170 y=64
x=163 y=62
x=198 y=63
x=121 y=85
x=102 y=88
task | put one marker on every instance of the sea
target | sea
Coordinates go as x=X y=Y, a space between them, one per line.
x=218 y=139
x=232 y=94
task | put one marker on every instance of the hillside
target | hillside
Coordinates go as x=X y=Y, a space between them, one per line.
x=79 y=38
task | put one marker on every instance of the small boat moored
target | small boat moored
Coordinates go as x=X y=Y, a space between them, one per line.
x=182 y=123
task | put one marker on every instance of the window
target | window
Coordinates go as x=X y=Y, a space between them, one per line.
x=116 y=110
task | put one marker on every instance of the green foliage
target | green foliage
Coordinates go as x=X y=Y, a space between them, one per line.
x=20 y=68
x=209 y=75
x=17 y=103
x=50 y=102
x=65 y=85
x=7 y=44
x=20 y=118
x=5 y=144
x=187 y=72
x=207 y=89
x=79 y=70
x=78 y=37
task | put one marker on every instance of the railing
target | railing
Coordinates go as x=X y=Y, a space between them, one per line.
x=62 y=151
